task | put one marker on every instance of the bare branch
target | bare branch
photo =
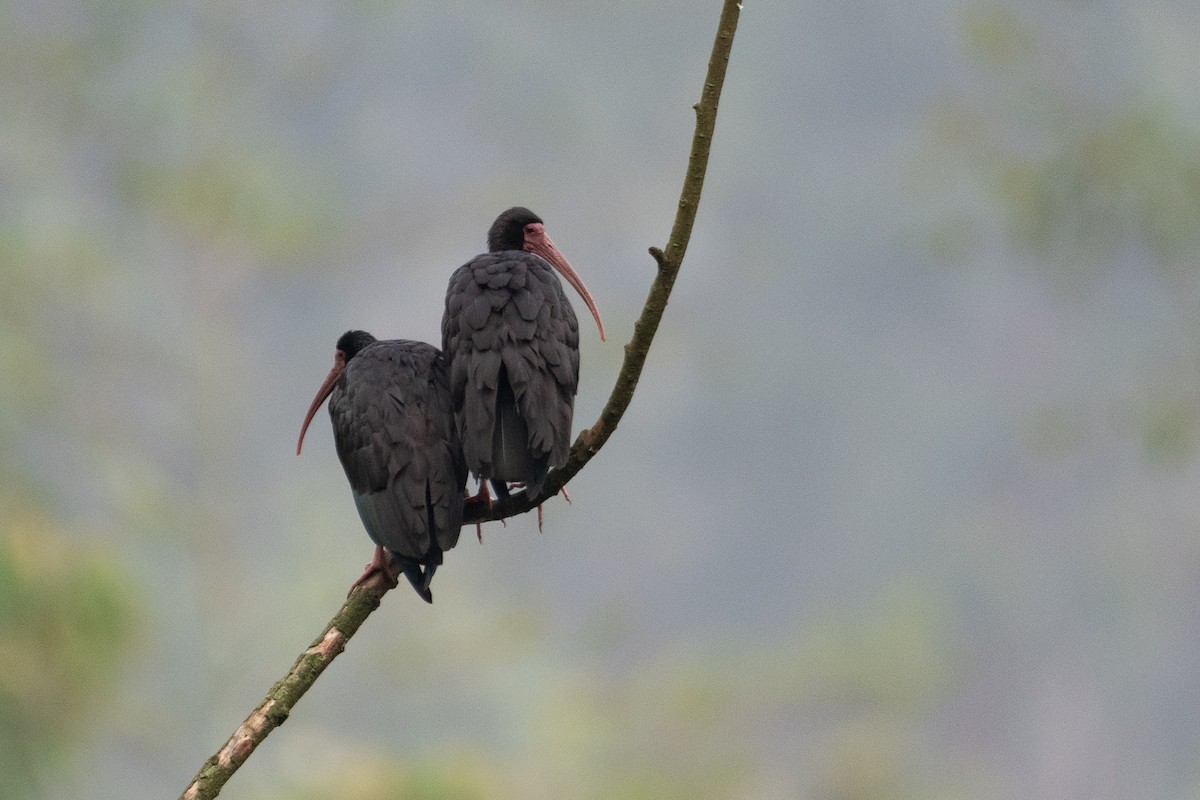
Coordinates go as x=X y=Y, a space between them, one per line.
x=274 y=710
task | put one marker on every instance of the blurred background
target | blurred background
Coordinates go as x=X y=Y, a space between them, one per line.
x=906 y=505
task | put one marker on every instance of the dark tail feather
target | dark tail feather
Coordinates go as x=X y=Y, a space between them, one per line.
x=541 y=467
x=420 y=580
x=511 y=459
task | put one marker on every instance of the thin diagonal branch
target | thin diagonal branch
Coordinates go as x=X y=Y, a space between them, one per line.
x=274 y=710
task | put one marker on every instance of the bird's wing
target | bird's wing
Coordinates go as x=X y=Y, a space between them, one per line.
x=507 y=312
x=544 y=372
x=396 y=439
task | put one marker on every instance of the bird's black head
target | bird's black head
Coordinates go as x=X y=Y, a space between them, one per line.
x=351 y=342
x=508 y=231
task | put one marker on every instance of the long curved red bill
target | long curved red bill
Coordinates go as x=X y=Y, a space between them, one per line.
x=331 y=380
x=537 y=242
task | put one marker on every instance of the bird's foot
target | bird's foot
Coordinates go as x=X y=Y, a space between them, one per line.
x=566 y=496
x=482 y=496
x=381 y=565
x=541 y=514
x=479 y=529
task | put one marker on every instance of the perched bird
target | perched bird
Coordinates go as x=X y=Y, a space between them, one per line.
x=512 y=343
x=394 y=429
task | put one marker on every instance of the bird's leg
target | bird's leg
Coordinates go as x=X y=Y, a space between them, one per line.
x=541 y=515
x=566 y=497
x=379 y=564
x=486 y=496
x=483 y=494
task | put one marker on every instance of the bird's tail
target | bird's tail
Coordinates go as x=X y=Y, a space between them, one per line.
x=511 y=459
x=420 y=579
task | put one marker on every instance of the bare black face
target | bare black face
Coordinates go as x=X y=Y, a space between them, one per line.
x=348 y=346
x=353 y=341
x=521 y=229
x=508 y=231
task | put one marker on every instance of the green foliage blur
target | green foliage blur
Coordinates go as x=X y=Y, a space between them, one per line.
x=1088 y=179
x=679 y=727
x=65 y=619
x=1085 y=187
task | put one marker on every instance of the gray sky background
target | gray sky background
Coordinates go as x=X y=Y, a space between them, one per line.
x=905 y=504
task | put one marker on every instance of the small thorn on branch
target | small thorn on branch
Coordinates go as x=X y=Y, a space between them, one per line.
x=659 y=257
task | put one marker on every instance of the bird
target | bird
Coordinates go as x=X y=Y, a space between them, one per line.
x=512 y=343
x=394 y=431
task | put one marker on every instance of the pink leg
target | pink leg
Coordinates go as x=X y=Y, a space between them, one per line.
x=379 y=564
x=485 y=495
x=566 y=496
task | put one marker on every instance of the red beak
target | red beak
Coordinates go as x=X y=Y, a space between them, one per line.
x=331 y=380
x=538 y=243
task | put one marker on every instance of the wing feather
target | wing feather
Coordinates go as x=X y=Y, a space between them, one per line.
x=530 y=336
x=396 y=438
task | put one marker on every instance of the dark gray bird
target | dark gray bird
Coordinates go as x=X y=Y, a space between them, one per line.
x=512 y=342
x=394 y=429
